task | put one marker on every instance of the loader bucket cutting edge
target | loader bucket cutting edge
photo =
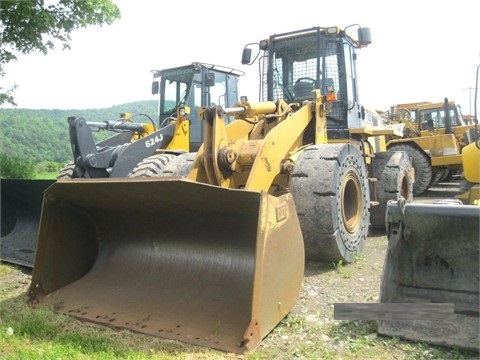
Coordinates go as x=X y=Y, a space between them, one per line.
x=169 y=257
x=20 y=218
x=435 y=260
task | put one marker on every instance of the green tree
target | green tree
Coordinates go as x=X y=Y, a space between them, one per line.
x=29 y=25
x=16 y=167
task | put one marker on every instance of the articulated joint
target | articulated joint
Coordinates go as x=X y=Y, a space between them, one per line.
x=226 y=157
x=91 y=161
x=286 y=166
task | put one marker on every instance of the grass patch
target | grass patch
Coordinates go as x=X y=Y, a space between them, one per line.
x=46 y=176
x=341 y=268
x=5 y=270
x=39 y=333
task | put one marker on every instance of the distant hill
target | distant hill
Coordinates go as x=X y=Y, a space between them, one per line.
x=42 y=135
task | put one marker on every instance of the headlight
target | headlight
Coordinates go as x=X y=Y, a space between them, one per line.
x=333 y=30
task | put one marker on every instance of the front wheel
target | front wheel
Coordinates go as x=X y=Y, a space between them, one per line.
x=152 y=166
x=67 y=172
x=330 y=189
x=180 y=166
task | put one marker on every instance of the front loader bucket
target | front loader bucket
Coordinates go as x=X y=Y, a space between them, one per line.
x=433 y=257
x=20 y=214
x=169 y=257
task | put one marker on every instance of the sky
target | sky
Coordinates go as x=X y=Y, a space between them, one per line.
x=421 y=50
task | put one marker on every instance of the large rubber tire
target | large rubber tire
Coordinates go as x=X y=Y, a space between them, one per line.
x=392 y=169
x=180 y=166
x=67 y=172
x=447 y=176
x=421 y=165
x=152 y=166
x=437 y=174
x=330 y=189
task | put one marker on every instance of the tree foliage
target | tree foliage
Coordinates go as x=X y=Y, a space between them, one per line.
x=42 y=136
x=16 y=167
x=30 y=26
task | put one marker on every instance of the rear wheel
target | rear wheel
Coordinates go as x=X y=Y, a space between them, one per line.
x=421 y=165
x=392 y=170
x=330 y=189
x=152 y=166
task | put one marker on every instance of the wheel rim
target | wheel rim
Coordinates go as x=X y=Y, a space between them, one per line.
x=352 y=200
x=405 y=189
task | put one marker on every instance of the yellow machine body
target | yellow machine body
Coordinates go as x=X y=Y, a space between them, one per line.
x=208 y=259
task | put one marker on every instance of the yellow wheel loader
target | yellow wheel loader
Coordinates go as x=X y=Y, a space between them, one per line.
x=133 y=147
x=433 y=257
x=211 y=250
x=434 y=136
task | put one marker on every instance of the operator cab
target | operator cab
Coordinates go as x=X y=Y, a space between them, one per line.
x=296 y=63
x=196 y=85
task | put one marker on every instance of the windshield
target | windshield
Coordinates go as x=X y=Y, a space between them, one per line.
x=302 y=64
x=176 y=85
x=437 y=118
x=195 y=86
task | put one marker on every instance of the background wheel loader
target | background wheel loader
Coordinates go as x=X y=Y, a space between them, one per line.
x=434 y=136
x=182 y=91
x=211 y=250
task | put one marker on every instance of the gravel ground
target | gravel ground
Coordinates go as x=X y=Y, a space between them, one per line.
x=358 y=282
x=327 y=284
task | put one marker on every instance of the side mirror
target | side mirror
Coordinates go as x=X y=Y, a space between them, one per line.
x=364 y=36
x=246 y=56
x=155 y=87
x=209 y=79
